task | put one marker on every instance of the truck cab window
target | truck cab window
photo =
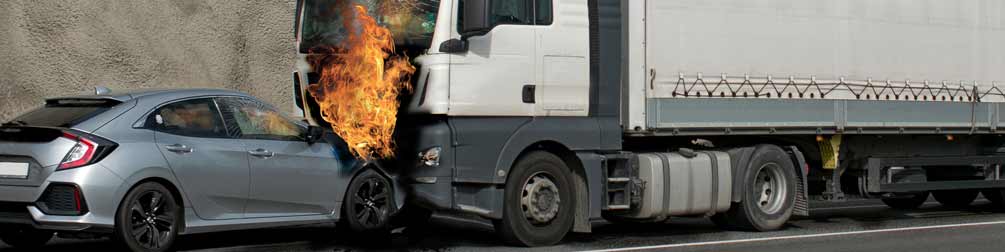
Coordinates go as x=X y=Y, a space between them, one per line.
x=543 y=12
x=511 y=12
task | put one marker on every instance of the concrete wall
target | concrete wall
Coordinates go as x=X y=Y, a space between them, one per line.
x=59 y=47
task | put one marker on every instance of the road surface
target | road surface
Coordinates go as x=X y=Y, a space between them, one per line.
x=864 y=225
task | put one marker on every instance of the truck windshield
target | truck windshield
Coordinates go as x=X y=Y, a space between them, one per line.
x=411 y=22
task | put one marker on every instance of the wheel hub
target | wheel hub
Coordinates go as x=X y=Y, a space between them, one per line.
x=540 y=199
x=771 y=188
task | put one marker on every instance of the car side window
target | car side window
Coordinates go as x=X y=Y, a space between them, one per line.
x=194 y=118
x=250 y=119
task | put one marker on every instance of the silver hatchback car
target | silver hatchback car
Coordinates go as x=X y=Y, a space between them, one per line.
x=144 y=167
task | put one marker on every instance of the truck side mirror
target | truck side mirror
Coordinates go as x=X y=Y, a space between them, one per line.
x=454 y=46
x=475 y=17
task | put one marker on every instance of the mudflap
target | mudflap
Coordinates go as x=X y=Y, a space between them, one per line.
x=802 y=204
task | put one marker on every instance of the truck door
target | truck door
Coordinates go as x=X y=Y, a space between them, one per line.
x=562 y=60
x=492 y=77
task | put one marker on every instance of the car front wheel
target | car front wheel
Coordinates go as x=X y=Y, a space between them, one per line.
x=369 y=204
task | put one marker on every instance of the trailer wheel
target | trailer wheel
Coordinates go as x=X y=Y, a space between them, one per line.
x=768 y=192
x=907 y=201
x=955 y=198
x=538 y=205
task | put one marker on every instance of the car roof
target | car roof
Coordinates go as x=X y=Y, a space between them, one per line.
x=130 y=94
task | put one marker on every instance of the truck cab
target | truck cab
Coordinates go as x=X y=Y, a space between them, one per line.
x=495 y=81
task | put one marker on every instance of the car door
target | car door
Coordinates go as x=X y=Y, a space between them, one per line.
x=289 y=176
x=495 y=76
x=211 y=167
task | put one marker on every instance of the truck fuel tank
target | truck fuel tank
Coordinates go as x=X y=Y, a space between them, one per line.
x=681 y=183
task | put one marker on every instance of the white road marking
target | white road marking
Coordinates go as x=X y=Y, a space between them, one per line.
x=698 y=244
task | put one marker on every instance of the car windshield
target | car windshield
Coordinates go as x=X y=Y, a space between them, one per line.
x=411 y=22
x=63 y=113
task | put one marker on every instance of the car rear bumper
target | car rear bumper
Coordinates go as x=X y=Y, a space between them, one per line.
x=30 y=215
x=97 y=189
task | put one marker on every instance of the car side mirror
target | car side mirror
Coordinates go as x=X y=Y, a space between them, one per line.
x=476 y=17
x=314 y=134
x=454 y=46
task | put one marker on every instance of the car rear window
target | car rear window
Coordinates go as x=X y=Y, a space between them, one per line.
x=64 y=113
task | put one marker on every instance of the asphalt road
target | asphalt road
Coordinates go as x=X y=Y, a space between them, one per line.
x=865 y=225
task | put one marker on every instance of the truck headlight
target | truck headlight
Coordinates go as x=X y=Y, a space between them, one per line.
x=430 y=157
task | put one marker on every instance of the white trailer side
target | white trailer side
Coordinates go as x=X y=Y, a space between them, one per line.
x=886 y=66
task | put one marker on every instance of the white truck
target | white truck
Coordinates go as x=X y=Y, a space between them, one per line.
x=546 y=116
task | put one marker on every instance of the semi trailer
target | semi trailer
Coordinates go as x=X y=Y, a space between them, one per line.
x=547 y=116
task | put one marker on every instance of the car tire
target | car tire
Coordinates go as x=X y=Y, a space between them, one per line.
x=368 y=206
x=768 y=193
x=907 y=201
x=26 y=238
x=148 y=219
x=538 y=204
x=955 y=198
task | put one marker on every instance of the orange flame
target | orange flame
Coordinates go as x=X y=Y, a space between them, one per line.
x=360 y=83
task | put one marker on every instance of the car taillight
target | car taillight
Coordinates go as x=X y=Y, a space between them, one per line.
x=87 y=150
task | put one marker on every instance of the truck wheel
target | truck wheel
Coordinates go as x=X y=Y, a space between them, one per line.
x=768 y=192
x=26 y=237
x=368 y=205
x=538 y=205
x=148 y=218
x=955 y=198
x=906 y=201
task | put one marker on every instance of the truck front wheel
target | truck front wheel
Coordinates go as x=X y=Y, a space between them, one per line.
x=768 y=192
x=538 y=207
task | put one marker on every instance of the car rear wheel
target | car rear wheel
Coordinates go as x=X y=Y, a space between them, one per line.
x=148 y=218
x=26 y=237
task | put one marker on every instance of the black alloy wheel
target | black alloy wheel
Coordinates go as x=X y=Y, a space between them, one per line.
x=148 y=219
x=368 y=206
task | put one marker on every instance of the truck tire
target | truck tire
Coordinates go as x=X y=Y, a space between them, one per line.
x=538 y=203
x=955 y=198
x=768 y=192
x=906 y=201
x=25 y=238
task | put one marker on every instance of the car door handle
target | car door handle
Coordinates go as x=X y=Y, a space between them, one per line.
x=179 y=148
x=263 y=153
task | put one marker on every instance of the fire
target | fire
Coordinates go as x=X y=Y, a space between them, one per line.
x=360 y=83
